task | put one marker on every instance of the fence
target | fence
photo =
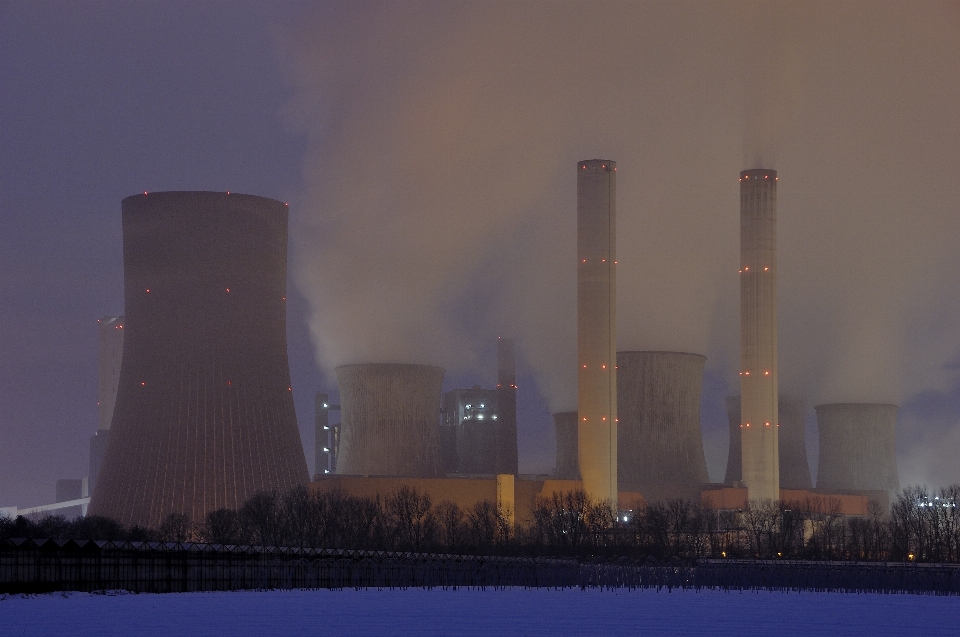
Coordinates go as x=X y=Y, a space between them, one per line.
x=32 y=566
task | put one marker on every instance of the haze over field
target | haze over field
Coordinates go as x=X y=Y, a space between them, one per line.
x=428 y=152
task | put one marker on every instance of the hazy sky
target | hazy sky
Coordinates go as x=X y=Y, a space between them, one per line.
x=428 y=152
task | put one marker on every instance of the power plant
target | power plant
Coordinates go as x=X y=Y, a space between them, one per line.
x=597 y=328
x=794 y=468
x=658 y=434
x=204 y=415
x=758 y=334
x=204 y=419
x=389 y=419
x=857 y=447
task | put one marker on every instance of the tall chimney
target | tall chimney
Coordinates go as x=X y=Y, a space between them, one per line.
x=506 y=428
x=596 y=328
x=758 y=333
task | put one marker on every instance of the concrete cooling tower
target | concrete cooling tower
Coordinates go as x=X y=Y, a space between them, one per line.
x=857 y=447
x=658 y=406
x=390 y=420
x=794 y=468
x=204 y=415
x=565 y=423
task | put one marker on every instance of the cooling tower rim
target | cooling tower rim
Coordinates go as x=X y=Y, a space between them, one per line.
x=660 y=351
x=398 y=366
x=847 y=405
x=193 y=193
x=758 y=171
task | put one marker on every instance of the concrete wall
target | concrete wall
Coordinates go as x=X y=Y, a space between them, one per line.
x=792 y=443
x=204 y=417
x=857 y=447
x=658 y=406
x=565 y=425
x=758 y=333
x=390 y=419
x=596 y=328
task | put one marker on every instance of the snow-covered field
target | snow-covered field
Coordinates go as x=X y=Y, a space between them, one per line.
x=485 y=613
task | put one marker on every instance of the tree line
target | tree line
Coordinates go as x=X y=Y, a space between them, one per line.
x=922 y=526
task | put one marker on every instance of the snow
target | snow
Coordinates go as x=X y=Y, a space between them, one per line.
x=481 y=613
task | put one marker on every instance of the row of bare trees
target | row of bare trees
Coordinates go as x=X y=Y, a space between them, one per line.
x=921 y=526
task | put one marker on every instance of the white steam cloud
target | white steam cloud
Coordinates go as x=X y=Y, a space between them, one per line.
x=439 y=203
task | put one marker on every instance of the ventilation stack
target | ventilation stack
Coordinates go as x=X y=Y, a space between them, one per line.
x=565 y=423
x=792 y=447
x=389 y=420
x=596 y=329
x=658 y=404
x=506 y=426
x=758 y=334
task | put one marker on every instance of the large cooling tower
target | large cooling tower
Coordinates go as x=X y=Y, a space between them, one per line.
x=596 y=328
x=792 y=447
x=565 y=423
x=758 y=333
x=658 y=406
x=389 y=420
x=857 y=447
x=204 y=416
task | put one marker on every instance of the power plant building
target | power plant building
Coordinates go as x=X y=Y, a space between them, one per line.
x=857 y=447
x=758 y=334
x=204 y=415
x=468 y=430
x=390 y=422
x=658 y=405
x=792 y=447
x=596 y=329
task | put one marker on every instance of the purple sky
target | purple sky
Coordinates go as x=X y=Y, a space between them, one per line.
x=428 y=151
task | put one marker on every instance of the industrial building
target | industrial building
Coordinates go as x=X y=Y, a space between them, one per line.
x=758 y=333
x=792 y=447
x=204 y=415
x=390 y=422
x=857 y=447
x=597 y=328
x=658 y=406
x=468 y=430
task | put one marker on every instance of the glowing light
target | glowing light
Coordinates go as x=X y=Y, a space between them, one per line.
x=228 y=290
x=284 y=299
x=748 y=424
x=229 y=383
x=604 y=419
x=148 y=290
x=747 y=373
x=143 y=384
x=584 y=419
x=228 y=192
x=289 y=388
x=144 y=193
x=766 y=424
x=746 y=269
x=584 y=366
x=765 y=269
x=603 y=366
x=766 y=373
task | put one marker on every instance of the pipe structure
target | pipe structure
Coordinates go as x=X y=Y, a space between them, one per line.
x=857 y=447
x=204 y=416
x=758 y=334
x=596 y=329
x=506 y=427
x=658 y=406
x=389 y=419
x=565 y=423
x=792 y=447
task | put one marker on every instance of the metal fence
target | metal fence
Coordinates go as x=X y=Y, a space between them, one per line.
x=31 y=566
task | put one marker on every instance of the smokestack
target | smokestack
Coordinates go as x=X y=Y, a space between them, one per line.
x=506 y=427
x=565 y=423
x=204 y=417
x=857 y=447
x=389 y=420
x=758 y=334
x=596 y=328
x=658 y=404
x=792 y=443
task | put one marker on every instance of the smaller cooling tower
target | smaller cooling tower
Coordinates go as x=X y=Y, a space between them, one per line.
x=390 y=422
x=566 y=426
x=794 y=469
x=658 y=406
x=857 y=447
